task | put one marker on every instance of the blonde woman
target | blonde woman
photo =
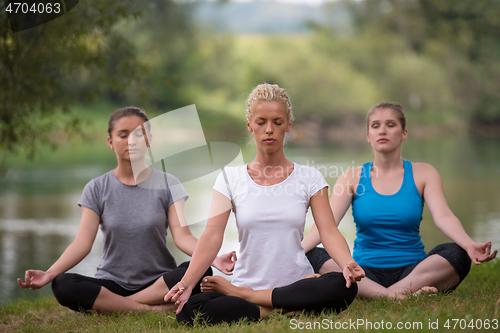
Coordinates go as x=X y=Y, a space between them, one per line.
x=269 y=197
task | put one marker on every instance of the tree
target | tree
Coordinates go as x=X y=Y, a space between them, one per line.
x=39 y=68
x=462 y=37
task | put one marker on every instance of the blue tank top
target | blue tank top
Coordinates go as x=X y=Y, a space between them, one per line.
x=387 y=226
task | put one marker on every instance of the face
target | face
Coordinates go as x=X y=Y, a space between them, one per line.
x=385 y=132
x=269 y=123
x=128 y=138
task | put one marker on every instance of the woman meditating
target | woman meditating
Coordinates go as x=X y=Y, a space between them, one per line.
x=134 y=211
x=387 y=197
x=269 y=197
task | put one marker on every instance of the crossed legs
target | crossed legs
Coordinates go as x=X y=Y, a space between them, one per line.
x=149 y=299
x=314 y=294
x=79 y=292
x=431 y=275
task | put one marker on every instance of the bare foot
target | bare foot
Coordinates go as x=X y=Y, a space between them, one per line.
x=309 y=276
x=266 y=312
x=220 y=285
x=427 y=290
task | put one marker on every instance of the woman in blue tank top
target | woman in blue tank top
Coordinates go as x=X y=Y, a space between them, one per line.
x=387 y=197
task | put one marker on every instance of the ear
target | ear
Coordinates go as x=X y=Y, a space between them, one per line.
x=404 y=135
x=367 y=137
x=249 y=127
x=289 y=127
x=110 y=143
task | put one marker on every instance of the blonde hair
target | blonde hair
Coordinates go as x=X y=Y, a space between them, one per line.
x=269 y=93
x=398 y=110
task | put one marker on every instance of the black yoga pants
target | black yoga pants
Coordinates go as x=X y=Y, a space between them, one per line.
x=79 y=292
x=327 y=292
x=386 y=277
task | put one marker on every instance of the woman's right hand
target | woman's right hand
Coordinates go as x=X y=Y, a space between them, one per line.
x=179 y=294
x=34 y=279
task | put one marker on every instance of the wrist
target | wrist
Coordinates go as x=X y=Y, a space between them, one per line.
x=189 y=284
x=51 y=275
x=350 y=263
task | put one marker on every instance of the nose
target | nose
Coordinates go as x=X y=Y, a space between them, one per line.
x=269 y=128
x=131 y=140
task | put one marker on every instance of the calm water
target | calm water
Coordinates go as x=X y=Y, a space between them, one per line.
x=39 y=216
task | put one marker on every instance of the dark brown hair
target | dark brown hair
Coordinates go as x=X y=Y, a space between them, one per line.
x=398 y=109
x=125 y=112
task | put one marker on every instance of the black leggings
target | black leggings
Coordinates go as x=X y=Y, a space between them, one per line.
x=79 y=292
x=327 y=292
x=386 y=277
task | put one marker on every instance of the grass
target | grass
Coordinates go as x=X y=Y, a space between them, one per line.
x=476 y=299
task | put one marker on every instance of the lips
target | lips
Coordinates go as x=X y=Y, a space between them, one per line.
x=269 y=140
x=382 y=140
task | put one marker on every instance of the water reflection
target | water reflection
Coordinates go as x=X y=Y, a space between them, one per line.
x=39 y=216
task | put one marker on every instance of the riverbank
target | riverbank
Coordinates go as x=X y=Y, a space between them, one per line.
x=474 y=306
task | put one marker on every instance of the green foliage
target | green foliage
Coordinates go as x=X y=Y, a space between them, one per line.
x=45 y=69
x=458 y=42
x=437 y=58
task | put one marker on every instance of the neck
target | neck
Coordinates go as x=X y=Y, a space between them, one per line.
x=273 y=159
x=388 y=161
x=125 y=172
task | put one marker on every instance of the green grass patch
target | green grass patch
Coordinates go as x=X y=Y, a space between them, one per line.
x=476 y=302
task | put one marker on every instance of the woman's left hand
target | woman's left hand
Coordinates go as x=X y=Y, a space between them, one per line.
x=225 y=263
x=353 y=273
x=480 y=252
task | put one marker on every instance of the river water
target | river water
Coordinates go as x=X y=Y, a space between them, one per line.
x=39 y=216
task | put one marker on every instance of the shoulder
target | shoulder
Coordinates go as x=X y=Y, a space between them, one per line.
x=233 y=172
x=424 y=170
x=231 y=175
x=307 y=171
x=234 y=169
x=351 y=175
x=171 y=179
x=99 y=182
x=425 y=174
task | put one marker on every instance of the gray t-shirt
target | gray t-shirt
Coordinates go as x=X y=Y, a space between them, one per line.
x=134 y=225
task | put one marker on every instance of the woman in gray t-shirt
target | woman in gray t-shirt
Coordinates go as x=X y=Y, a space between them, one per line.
x=134 y=205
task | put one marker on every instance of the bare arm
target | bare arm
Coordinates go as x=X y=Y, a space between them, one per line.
x=444 y=218
x=206 y=250
x=186 y=242
x=343 y=193
x=74 y=253
x=333 y=241
x=183 y=238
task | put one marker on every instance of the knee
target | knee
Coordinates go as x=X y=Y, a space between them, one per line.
x=336 y=296
x=457 y=257
x=215 y=308
x=194 y=308
x=62 y=286
x=345 y=296
x=66 y=288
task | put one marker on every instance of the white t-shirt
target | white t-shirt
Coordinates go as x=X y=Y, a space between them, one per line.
x=270 y=222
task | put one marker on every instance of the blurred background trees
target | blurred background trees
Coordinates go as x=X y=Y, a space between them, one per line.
x=438 y=58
